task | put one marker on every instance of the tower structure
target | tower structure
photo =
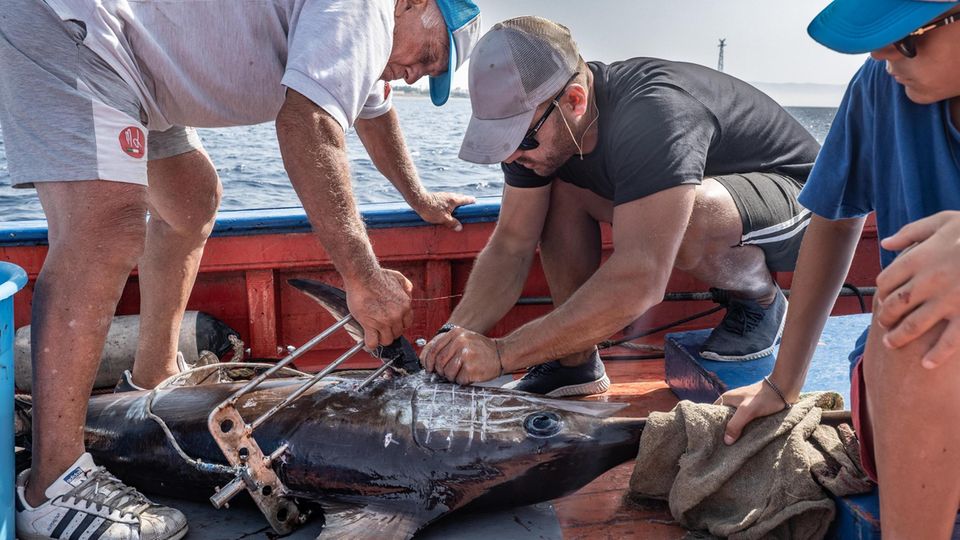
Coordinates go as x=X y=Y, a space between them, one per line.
x=723 y=43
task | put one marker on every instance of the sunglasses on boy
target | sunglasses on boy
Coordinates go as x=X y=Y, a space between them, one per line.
x=530 y=141
x=908 y=45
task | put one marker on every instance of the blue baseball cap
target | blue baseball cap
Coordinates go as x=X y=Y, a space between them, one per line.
x=859 y=26
x=463 y=26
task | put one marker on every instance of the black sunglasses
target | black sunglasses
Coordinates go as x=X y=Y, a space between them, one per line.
x=908 y=45
x=530 y=141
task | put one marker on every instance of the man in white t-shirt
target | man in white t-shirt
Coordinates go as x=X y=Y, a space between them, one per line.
x=93 y=104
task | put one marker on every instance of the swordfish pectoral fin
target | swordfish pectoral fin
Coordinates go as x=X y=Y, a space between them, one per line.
x=362 y=522
x=332 y=299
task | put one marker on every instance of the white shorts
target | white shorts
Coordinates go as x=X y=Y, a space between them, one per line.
x=64 y=113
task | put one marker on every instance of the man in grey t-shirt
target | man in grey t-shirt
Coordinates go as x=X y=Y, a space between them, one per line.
x=93 y=102
x=693 y=169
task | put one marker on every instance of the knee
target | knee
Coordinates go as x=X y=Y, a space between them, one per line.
x=714 y=215
x=198 y=215
x=187 y=199
x=688 y=257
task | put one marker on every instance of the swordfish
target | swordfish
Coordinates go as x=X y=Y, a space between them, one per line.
x=381 y=461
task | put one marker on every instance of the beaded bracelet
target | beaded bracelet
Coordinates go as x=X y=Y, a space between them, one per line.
x=767 y=380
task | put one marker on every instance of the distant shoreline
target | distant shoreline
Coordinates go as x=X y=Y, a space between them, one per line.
x=807 y=95
x=426 y=96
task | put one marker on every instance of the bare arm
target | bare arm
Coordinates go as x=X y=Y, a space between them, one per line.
x=501 y=269
x=825 y=257
x=383 y=139
x=813 y=293
x=314 y=154
x=629 y=283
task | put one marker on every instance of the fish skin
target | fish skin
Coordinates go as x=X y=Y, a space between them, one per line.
x=389 y=458
x=382 y=461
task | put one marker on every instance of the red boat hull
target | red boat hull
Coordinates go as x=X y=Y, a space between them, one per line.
x=244 y=271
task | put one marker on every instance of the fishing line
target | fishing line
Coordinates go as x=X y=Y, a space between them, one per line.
x=435 y=298
x=197 y=463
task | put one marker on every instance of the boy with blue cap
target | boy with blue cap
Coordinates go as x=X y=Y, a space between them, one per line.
x=95 y=101
x=893 y=149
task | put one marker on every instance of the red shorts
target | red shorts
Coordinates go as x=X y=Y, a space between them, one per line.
x=861 y=420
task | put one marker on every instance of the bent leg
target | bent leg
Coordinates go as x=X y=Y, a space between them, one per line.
x=570 y=245
x=711 y=250
x=96 y=234
x=914 y=414
x=183 y=197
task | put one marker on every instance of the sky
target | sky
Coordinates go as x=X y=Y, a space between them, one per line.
x=766 y=40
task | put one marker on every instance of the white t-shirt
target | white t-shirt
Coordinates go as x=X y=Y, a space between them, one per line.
x=215 y=63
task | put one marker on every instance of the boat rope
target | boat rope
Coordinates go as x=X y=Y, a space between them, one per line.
x=238 y=349
x=614 y=343
x=197 y=463
x=859 y=292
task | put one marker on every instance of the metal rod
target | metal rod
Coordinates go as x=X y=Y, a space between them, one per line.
x=277 y=453
x=306 y=386
x=227 y=492
x=289 y=358
x=375 y=374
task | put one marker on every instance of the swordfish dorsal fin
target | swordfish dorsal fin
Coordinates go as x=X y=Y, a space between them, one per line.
x=362 y=522
x=334 y=301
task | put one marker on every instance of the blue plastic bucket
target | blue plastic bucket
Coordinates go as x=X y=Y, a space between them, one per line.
x=12 y=279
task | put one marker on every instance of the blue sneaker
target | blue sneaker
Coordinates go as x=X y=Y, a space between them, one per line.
x=555 y=380
x=748 y=331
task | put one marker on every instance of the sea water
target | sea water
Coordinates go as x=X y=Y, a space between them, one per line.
x=248 y=160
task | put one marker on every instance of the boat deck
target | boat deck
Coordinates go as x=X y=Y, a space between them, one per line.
x=602 y=508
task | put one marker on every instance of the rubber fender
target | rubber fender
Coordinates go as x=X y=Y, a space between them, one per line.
x=198 y=332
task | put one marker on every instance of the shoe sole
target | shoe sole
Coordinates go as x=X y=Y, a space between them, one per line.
x=598 y=386
x=752 y=356
x=27 y=536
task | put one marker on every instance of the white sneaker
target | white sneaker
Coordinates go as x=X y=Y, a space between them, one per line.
x=89 y=503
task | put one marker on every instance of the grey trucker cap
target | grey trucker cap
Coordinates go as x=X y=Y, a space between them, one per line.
x=517 y=65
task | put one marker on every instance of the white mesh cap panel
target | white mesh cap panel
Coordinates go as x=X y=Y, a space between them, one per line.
x=543 y=52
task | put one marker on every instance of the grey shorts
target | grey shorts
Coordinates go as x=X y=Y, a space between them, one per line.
x=772 y=218
x=64 y=113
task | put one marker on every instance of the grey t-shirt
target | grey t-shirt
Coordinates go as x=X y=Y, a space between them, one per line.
x=663 y=124
x=215 y=63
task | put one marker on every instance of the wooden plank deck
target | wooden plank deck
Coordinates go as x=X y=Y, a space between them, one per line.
x=602 y=509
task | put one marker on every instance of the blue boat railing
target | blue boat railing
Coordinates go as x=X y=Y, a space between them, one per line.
x=278 y=221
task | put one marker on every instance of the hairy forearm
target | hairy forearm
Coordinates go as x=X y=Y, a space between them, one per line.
x=816 y=284
x=618 y=293
x=383 y=139
x=314 y=154
x=493 y=288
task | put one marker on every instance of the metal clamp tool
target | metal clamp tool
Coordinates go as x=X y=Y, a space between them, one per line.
x=234 y=435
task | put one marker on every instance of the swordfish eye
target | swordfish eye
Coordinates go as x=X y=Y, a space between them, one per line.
x=543 y=424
